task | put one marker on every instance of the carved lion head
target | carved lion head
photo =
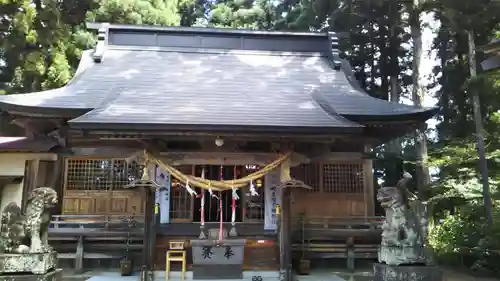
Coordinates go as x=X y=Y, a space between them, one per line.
x=47 y=195
x=390 y=197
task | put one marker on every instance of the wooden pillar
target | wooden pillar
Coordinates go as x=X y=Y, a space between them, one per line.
x=30 y=179
x=149 y=234
x=368 y=188
x=285 y=227
x=57 y=178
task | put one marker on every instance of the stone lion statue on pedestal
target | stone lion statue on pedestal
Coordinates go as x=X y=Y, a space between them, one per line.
x=405 y=226
x=27 y=233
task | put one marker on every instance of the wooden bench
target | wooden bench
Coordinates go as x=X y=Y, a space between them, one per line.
x=96 y=237
x=346 y=238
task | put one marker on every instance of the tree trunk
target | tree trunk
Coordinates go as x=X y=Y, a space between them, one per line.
x=394 y=147
x=421 y=169
x=483 y=166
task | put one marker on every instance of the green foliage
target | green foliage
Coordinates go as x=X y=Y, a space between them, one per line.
x=457 y=194
x=459 y=239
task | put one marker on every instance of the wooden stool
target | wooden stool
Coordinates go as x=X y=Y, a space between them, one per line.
x=176 y=253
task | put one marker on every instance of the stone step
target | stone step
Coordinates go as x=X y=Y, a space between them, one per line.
x=176 y=276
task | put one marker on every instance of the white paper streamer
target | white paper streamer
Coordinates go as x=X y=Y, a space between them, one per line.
x=190 y=190
x=253 y=192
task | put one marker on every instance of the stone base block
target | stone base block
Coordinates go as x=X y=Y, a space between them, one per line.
x=402 y=255
x=384 y=272
x=54 y=275
x=34 y=263
x=217 y=272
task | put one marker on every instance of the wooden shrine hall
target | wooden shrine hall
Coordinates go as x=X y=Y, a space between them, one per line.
x=213 y=109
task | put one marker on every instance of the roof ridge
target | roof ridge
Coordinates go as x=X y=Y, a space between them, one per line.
x=214 y=51
x=200 y=30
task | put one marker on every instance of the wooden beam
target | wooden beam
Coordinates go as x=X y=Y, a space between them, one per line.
x=338 y=156
x=226 y=158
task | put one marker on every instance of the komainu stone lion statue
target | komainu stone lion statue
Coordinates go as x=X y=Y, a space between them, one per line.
x=405 y=226
x=27 y=233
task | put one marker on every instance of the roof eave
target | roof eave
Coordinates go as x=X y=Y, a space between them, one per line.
x=46 y=112
x=27 y=145
x=420 y=116
x=253 y=129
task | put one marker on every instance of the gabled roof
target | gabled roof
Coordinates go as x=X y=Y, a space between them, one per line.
x=174 y=78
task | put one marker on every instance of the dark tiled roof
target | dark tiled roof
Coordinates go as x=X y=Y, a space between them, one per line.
x=76 y=95
x=218 y=88
x=491 y=63
x=212 y=77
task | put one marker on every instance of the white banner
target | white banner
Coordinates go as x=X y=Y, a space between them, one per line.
x=163 y=194
x=272 y=197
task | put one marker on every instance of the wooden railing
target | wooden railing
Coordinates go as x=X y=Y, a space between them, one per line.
x=81 y=237
x=330 y=237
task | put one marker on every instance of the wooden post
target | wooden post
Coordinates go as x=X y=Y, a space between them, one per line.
x=284 y=234
x=368 y=188
x=79 y=255
x=30 y=179
x=149 y=234
x=152 y=237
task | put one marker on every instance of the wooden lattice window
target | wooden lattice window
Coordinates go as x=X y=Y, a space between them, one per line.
x=181 y=202
x=100 y=174
x=309 y=174
x=343 y=178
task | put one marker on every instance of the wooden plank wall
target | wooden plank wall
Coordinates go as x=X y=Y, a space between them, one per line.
x=327 y=204
x=103 y=203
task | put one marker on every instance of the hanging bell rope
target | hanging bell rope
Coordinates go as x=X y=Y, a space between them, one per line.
x=234 y=197
x=202 y=209
x=216 y=185
x=221 y=224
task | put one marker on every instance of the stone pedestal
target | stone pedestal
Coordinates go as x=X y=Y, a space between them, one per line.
x=34 y=263
x=384 y=272
x=218 y=260
x=53 y=275
x=402 y=255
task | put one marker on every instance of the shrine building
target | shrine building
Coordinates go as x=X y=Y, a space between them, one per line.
x=216 y=106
